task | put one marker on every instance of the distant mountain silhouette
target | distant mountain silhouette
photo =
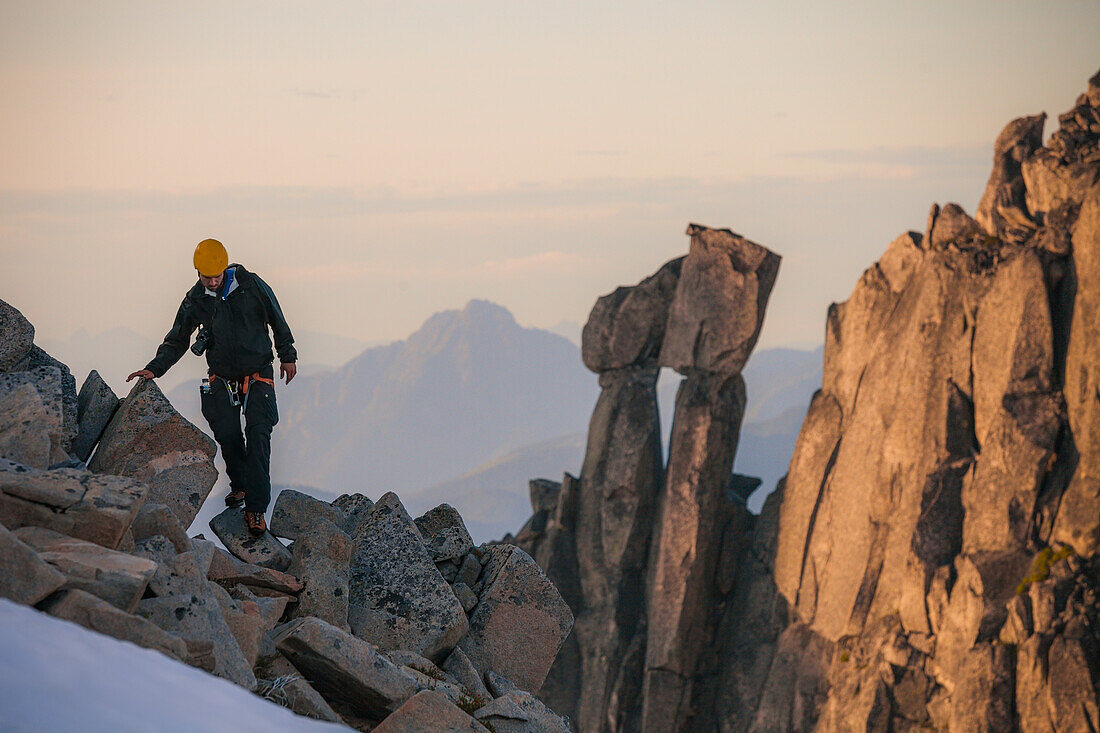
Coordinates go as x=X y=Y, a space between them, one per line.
x=467 y=386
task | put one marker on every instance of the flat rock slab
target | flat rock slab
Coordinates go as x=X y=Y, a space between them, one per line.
x=96 y=405
x=429 y=711
x=116 y=577
x=77 y=503
x=100 y=616
x=294 y=512
x=521 y=621
x=322 y=554
x=228 y=571
x=398 y=598
x=24 y=576
x=16 y=337
x=265 y=550
x=347 y=671
x=151 y=442
x=521 y=712
x=445 y=534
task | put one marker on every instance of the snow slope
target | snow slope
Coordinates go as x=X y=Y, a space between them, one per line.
x=57 y=676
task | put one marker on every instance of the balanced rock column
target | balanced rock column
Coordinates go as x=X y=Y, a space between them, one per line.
x=620 y=479
x=714 y=321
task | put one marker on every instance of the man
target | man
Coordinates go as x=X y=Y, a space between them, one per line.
x=232 y=308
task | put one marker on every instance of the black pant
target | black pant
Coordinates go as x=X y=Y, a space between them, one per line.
x=247 y=456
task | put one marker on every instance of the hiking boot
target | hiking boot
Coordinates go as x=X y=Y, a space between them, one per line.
x=234 y=498
x=256 y=522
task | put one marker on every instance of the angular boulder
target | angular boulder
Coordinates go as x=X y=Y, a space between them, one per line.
x=627 y=327
x=265 y=550
x=96 y=404
x=521 y=712
x=152 y=443
x=76 y=503
x=228 y=571
x=24 y=426
x=16 y=337
x=157 y=519
x=24 y=576
x=444 y=533
x=348 y=672
x=295 y=512
x=42 y=364
x=398 y=598
x=94 y=613
x=24 y=418
x=116 y=577
x=429 y=711
x=322 y=556
x=718 y=308
x=520 y=622
x=187 y=605
x=1003 y=209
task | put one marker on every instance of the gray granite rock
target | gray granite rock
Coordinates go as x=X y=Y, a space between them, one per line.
x=16 y=337
x=77 y=503
x=24 y=426
x=265 y=550
x=24 y=418
x=187 y=605
x=41 y=363
x=96 y=405
x=521 y=712
x=322 y=557
x=116 y=577
x=520 y=622
x=100 y=616
x=718 y=308
x=157 y=519
x=429 y=710
x=295 y=512
x=627 y=327
x=24 y=576
x=228 y=571
x=355 y=508
x=445 y=534
x=152 y=443
x=348 y=672
x=398 y=598
x=459 y=667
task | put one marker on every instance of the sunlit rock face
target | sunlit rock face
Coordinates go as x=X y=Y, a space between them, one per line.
x=931 y=559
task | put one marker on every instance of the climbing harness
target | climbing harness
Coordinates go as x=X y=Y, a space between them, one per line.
x=238 y=390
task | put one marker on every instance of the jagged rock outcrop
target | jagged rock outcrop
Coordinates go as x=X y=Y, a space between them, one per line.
x=636 y=549
x=931 y=559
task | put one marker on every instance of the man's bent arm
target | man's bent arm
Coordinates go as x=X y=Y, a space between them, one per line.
x=175 y=342
x=284 y=339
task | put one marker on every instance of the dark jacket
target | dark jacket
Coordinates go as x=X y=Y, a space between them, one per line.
x=238 y=321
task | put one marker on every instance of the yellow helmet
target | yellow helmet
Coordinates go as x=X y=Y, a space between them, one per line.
x=211 y=258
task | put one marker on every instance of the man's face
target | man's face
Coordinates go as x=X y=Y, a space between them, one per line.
x=211 y=283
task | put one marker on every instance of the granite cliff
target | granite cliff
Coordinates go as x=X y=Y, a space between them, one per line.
x=931 y=559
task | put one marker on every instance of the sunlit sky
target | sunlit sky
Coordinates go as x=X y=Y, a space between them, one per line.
x=379 y=161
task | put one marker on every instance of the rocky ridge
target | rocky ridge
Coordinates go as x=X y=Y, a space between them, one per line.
x=368 y=617
x=930 y=562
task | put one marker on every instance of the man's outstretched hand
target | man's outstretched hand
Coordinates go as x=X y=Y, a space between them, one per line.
x=143 y=373
x=288 y=370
